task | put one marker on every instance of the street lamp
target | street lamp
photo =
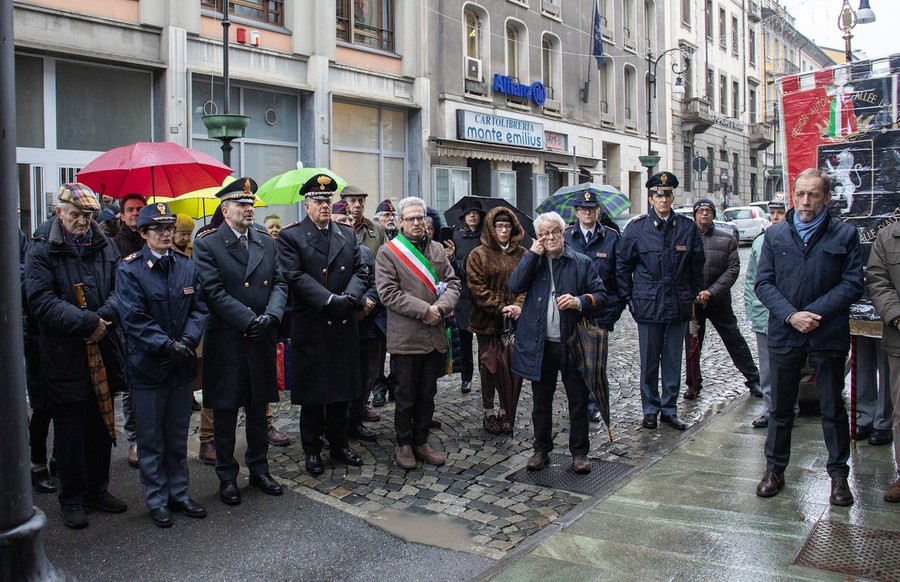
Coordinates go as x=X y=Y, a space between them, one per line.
x=651 y=160
x=225 y=126
x=848 y=20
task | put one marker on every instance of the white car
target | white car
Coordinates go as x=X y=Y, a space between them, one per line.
x=750 y=221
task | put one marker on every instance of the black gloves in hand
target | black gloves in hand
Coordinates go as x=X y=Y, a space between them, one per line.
x=175 y=353
x=259 y=325
x=342 y=306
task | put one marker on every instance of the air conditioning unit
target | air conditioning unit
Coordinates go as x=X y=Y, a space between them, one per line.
x=473 y=69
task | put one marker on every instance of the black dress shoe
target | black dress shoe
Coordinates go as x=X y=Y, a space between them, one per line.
x=673 y=421
x=755 y=391
x=594 y=414
x=161 y=517
x=840 y=492
x=863 y=432
x=761 y=422
x=188 y=508
x=649 y=421
x=229 y=493
x=361 y=433
x=465 y=387
x=348 y=456
x=265 y=483
x=877 y=438
x=42 y=482
x=314 y=465
x=770 y=485
x=379 y=395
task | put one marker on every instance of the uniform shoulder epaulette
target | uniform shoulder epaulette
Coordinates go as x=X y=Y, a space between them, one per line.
x=132 y=256
x=291 y=225
x=206 y=233
x=263 y=231
x=640 y=217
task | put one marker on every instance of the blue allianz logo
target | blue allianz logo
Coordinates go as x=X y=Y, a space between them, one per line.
x=535 y=92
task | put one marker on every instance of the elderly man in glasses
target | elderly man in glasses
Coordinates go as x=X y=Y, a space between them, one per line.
x=660 y=273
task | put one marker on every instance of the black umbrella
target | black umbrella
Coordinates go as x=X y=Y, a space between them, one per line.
x=692 y=356
x=590 y=344
x=495 y=357
x=455 y=212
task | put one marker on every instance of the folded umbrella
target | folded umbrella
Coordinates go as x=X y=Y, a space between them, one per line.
x=692 y=356
x=496 y=359
x=614 y=202
x=97 y=371
x=589 y=345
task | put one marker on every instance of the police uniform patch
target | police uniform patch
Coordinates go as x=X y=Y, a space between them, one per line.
x=602 y=255
x=132 y=256
x=681 y=248
x=188 y=290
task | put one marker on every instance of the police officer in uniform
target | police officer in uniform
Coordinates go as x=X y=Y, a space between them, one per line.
x=163 y=314
x=660 y=272
x=246 y=295
x=323 y=267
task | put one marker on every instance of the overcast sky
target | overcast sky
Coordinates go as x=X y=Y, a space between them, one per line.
x=818 y=20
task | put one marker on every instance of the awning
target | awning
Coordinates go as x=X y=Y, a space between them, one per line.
x=467 y=149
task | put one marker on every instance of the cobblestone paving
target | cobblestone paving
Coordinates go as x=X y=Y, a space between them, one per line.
x=470 y=494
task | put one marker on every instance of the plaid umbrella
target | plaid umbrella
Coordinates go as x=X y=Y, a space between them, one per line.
x=613 y=201
x=589 y=345
x=97 y=371
x=285 y=188
x=495 y=358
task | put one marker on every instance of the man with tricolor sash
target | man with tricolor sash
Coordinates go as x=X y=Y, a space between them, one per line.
x=416 y=284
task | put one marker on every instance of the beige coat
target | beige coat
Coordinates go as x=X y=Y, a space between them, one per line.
x=407 y=300
x=883 y=283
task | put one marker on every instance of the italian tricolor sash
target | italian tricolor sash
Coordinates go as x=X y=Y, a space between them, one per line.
x=415 y=261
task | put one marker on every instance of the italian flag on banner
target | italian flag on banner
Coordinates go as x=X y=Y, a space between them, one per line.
x=415 y=261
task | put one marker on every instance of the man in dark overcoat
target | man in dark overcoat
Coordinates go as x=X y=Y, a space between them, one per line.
x=246 y=295
x=324 y=271
x=69 y=250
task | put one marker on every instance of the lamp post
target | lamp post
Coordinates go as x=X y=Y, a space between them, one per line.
x=225 y=126
x=650 y=160
x=848 y=20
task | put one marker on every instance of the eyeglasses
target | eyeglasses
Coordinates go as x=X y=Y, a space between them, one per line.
x=502 y=226
x=664 y=194
x=586 y=209
x=552 y=233
x=161 y=230
x=413 y=219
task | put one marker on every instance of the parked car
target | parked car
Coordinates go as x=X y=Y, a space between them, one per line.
x=750 y=220
x=763 y=205
x=720 y=220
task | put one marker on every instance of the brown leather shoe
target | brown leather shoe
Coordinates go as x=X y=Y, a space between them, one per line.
x=429 y=455
x=537 y=461
x=277 y=438
x=404 y=457
x=581 y=465
x=370 y=415
x=208 y=453
x=771 y=484
x=133 y=456
x=840 y=492
x=892 y=493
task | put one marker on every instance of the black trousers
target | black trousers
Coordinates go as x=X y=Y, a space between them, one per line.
x=785 y=370
x=466 y=361
x=256 y=429
x=371 y=356
x=82 y=448
x=721 y=315
x=323 y=419
x=414 y=396
x=576 y=392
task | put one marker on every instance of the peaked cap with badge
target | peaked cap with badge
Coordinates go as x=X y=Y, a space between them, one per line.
x=242 y=190
x=155 y=214
x=662 y=181
x=319 y=187
x=586 y=199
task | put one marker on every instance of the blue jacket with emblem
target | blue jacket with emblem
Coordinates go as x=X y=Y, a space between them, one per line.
x=660 y=267
x=573 y=273
x=159 y=303
x=824 y=276
x=602 y=252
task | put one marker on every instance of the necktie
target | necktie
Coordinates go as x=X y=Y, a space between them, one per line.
x=588 y=236
x=243 y=240
x=324 y=232
x=164 y=262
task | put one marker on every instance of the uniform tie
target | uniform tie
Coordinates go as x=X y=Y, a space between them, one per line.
x=588 y=236
x=243 y=240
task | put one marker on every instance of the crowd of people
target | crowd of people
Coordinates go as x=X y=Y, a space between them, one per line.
x=133 y=306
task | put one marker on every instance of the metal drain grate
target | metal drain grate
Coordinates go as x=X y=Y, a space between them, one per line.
x=853 y=550
x=558 y=474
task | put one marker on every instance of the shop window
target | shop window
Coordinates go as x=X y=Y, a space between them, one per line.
x=268 y=11
x=366 y=22
x=29 y=102
x=369 y=148
x=541 y=189
x=449 y=185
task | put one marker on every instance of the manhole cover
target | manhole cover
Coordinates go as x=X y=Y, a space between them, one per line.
x=853 y=550
x=559 y=475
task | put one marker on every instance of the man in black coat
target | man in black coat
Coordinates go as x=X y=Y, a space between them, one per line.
x=324 y=271
x=246 y=296
x=720 y=272
x=70 y=250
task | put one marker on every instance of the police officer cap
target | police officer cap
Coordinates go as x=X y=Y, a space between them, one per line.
x=385 y=206
x=704 y=203
x=155 y=214
x=662 y=181
x=241 y=190
x=777 y=203
x=586 y=199
x=319 y=187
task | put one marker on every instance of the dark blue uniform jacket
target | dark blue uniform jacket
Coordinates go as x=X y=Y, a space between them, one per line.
x=602 y=252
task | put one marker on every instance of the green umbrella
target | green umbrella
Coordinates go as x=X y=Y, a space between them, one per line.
x=284 y=188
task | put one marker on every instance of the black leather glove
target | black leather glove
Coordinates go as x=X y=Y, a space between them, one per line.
x=178 y=353
x=270 y=321
x=256 y=329
x=342 y=306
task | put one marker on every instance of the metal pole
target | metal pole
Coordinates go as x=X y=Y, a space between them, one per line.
x=21 y=548
x=226 y=81
x=651 y=81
